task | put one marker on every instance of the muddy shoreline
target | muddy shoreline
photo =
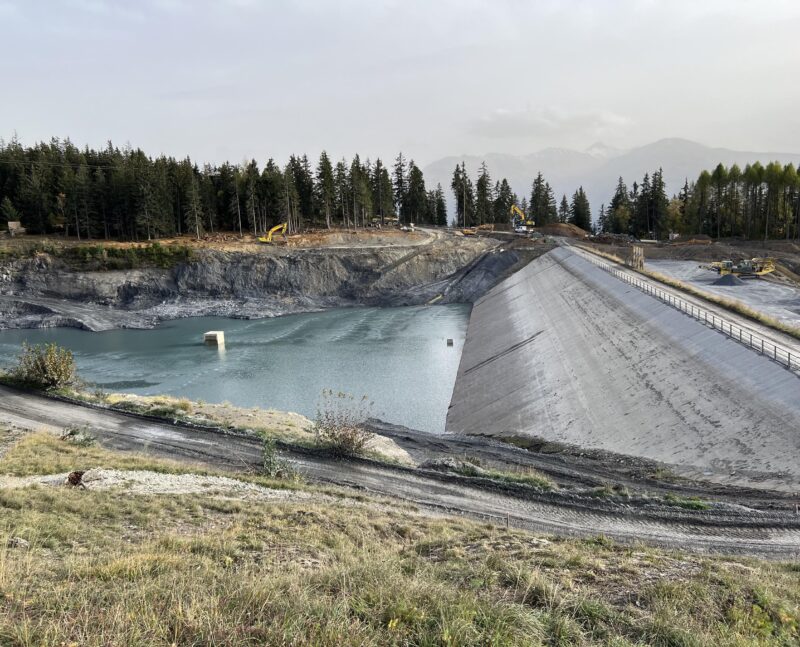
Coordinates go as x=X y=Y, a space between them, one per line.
x=43 y=292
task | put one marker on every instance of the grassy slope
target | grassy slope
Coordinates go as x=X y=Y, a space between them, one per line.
x=109 y=568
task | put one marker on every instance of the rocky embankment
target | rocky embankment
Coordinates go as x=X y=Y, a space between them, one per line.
x=44 y=291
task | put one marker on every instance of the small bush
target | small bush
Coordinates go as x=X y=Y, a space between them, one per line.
x=340 y=425
x=274 y=466
x=687 y=502
x=79 y=436
x=46 y=367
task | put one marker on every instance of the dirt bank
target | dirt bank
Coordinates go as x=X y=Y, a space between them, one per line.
x=728 y=529
x=44 y=291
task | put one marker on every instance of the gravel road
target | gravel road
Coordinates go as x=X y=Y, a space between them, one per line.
x=770 y=534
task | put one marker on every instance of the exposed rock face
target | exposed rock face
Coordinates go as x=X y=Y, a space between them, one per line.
x=43 y=291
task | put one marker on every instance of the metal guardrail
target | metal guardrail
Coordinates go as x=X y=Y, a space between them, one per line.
x=779 y=354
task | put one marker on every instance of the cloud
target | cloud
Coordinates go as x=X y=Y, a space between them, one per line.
x=547 y=122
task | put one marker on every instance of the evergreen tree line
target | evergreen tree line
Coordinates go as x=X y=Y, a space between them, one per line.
x=543 y=210
x=482 y=202
x=486 y=202
x=124 y=194
x=761 y=201
x=641 y=211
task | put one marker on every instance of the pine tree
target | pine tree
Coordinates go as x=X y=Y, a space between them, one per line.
x=382 y=191
x=325 y=187
x=580 y=213
x=194 y=209
x=464 y=195
x=441 y=207
x=504 y=199
x=342 y=192
x=538 y=205
x=659 y=203
x=602 y=220
x=618 y=214
x=640 y=219
x=400 y=185
x=8 y=213
x=483 y=196
x=563 y=209
x=416 y=197
x=550 y=204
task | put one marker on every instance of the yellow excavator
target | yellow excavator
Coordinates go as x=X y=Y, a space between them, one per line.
x=746 y=267
x=277 y=228
x=521 y=221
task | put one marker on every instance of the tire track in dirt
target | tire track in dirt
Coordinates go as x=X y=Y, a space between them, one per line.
x=774 y=535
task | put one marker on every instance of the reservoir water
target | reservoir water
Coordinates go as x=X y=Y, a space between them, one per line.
x=397 y=357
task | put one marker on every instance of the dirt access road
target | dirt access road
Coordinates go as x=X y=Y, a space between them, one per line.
x=726 y=529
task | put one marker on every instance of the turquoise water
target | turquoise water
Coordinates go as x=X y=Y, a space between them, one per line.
x=398 y=357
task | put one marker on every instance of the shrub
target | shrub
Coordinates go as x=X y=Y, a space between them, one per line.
x=77 y=435
x=45 y=367
x=273 y=465
x=340 y=425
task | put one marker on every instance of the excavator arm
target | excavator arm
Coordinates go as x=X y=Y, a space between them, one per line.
x=520 y=217
x=277 y=228
x=517 y=212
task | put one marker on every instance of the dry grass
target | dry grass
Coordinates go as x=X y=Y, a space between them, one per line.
x=42 y=453
x=108 y=568
x=288 y=427
x=280 y=425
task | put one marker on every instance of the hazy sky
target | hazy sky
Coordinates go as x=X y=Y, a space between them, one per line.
x=230 y=79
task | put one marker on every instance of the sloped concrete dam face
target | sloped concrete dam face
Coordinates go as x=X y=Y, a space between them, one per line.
x=566 y=352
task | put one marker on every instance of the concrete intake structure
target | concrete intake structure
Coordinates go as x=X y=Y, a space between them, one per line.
x=214 y=338
x=566 y=352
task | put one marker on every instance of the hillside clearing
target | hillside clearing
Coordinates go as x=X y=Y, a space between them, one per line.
x=104 y=566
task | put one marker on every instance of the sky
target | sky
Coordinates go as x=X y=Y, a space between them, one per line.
x=240 y=79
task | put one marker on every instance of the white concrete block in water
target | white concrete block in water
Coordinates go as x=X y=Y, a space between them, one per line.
x=214 y=338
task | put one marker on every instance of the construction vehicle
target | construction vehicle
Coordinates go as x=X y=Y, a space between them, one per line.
x=743 y=268
x=469 y=231
x=277 y=228
x=521 y=222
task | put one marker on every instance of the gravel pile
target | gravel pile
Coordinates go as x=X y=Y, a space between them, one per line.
x=729 y=279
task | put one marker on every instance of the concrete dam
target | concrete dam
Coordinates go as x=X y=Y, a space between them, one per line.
x=566 y=352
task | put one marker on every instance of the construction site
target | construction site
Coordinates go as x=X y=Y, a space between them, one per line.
x=571 y=341
x=597 y=394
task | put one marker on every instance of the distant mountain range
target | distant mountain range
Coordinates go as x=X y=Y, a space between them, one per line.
x=598 y=167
